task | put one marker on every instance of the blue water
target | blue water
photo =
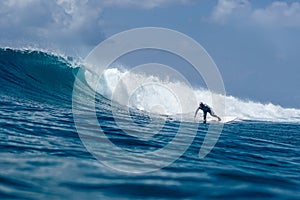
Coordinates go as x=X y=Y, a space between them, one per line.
x=43 y=157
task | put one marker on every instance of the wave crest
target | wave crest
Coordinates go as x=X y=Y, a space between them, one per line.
x=154 y=98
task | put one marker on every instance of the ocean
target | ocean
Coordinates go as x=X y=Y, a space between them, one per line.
x=46 y=155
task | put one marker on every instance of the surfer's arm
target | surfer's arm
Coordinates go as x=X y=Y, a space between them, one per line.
x=196 y=112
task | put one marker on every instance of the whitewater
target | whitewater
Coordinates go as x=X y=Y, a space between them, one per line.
x=149 y=96
x=43 y=156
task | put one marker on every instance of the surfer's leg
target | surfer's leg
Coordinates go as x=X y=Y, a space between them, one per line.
x=214 y=115
x=217 y=117
x=204 y=117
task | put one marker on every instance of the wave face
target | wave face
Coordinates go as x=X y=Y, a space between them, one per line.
x=36 y=75
x=46 y=77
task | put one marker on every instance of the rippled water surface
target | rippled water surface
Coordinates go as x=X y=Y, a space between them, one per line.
x=43 y=157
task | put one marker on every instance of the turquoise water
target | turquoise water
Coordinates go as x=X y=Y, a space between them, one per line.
x=43 y=157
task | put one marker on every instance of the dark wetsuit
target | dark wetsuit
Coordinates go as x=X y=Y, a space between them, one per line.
x=206 y=109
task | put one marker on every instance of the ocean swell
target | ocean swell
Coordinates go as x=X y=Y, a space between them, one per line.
x=49 y=78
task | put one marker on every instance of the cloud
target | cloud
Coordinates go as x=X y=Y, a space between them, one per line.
x=61 y=24
x=68 y=25
x=276 y=14
x=227 y=9
x=147 y=4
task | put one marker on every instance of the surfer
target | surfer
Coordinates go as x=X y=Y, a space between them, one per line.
x=206 y=109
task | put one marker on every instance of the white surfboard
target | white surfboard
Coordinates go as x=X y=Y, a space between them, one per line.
x=224 y=119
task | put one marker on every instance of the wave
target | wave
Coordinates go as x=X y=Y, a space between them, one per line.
x=36 y=75
x=46 y=77
x=160 y=98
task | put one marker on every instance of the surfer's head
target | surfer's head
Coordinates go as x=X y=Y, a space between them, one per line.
x=201 y=103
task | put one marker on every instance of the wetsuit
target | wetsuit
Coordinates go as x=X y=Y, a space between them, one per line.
x=206 y=109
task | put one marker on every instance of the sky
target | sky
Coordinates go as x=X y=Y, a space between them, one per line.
x=255 y=44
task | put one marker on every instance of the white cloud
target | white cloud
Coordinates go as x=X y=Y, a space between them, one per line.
x=278 y=14
x=60 y=24
x=64 y=24
x=144 y=3
x=226 y=9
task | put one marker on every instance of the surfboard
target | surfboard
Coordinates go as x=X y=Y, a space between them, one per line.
x=224 y=119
